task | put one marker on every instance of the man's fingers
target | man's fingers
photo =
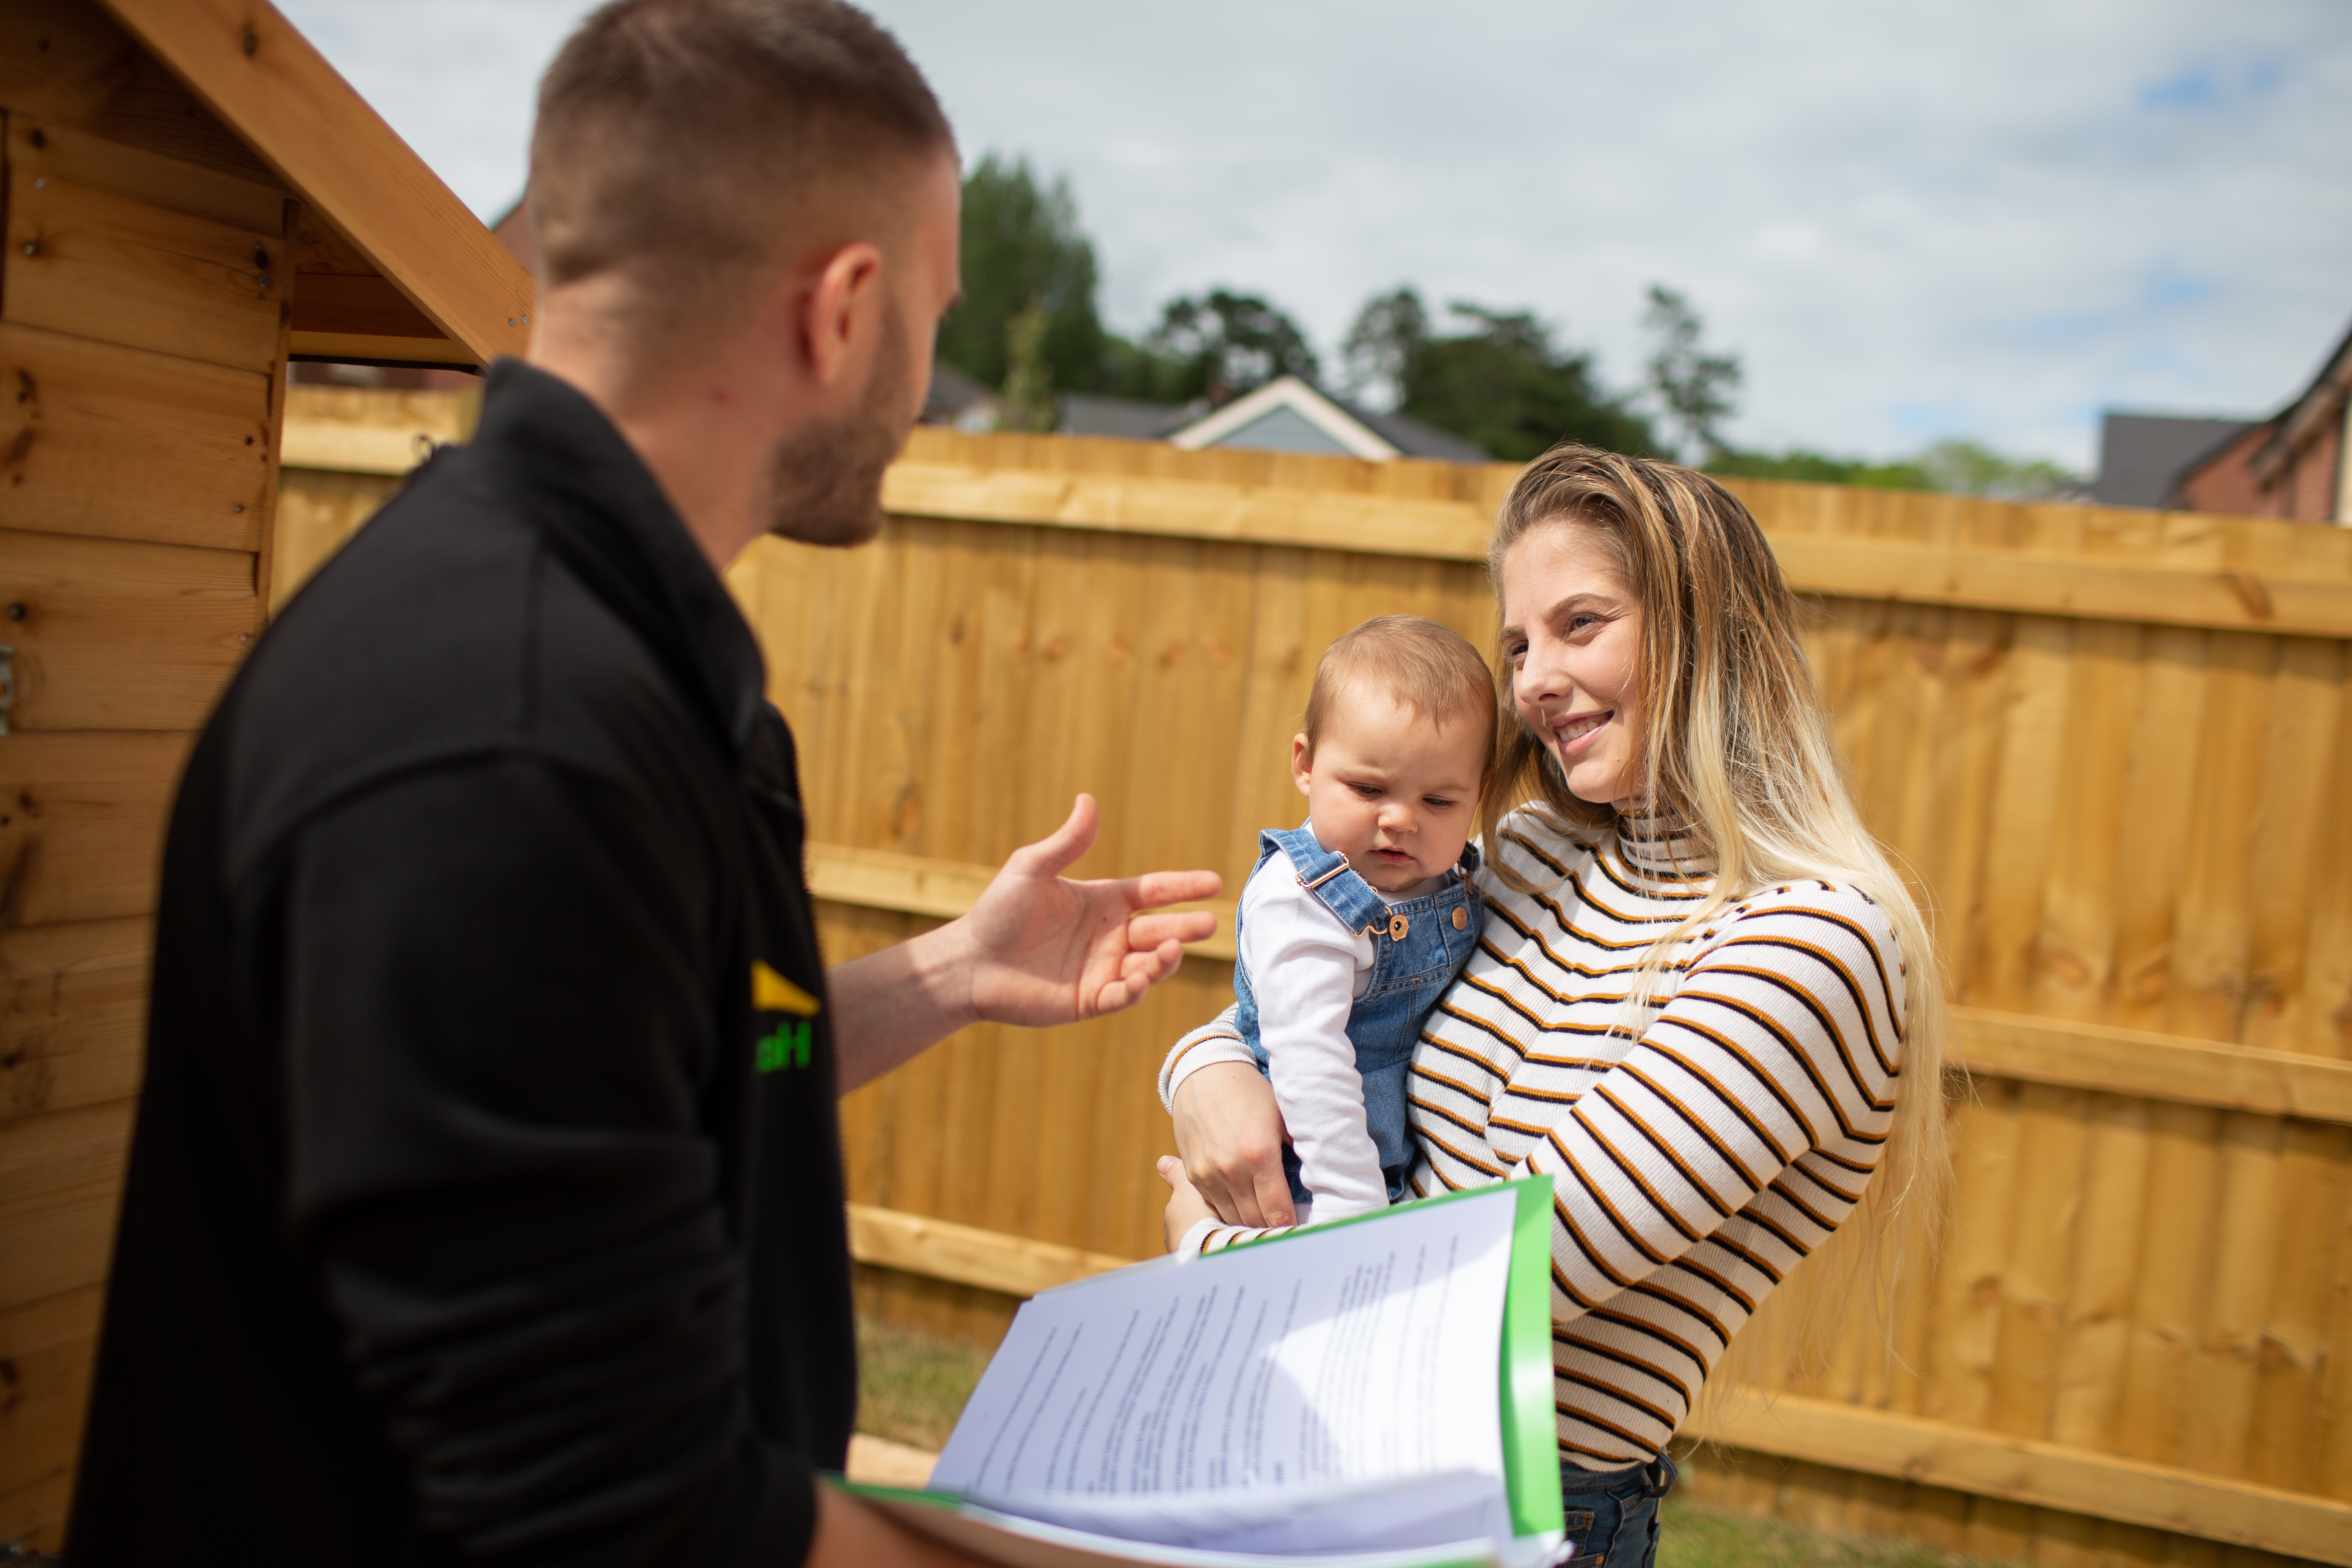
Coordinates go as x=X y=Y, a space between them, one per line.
x=1187 y=925
x=1154 y=889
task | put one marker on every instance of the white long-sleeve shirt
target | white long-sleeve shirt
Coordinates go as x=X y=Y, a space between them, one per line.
x=1305 y=970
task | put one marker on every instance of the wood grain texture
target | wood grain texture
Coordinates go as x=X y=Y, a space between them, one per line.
x=73 y=1014
x=121 y=635
x=48 y=1347
x=123 y=271
x=60 y=1182
x=126 y=443
x=2046 y=1474
x=81 y=823
x=266 y=82
x=68 y=62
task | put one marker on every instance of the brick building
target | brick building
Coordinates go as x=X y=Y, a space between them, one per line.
x=2290 y=466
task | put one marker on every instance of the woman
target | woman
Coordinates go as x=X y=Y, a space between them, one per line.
x=1692 y=1005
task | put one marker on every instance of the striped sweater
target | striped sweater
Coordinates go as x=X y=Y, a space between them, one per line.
x=1698 y=1153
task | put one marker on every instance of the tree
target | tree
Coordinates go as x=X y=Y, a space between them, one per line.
x=1224 y=344
x=1022 y=248
x=1694 y=388
x=1967 y=468
x=1818 y=469
x=1502 y=382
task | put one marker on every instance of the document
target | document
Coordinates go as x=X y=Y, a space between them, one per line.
x=1349 y=1389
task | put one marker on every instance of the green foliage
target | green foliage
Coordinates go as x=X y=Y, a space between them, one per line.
x=1966 y=468
x=1814 y=468
x=1692 y=386
x=1502 y=382
x=1954 y=467
x=1021 y=246
x=1222 y=344
x=1028 y=399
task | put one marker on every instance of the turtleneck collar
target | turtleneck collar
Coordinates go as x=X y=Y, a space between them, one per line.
x=1662 y=848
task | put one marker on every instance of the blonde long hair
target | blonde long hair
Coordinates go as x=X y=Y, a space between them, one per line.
x=1736 y=746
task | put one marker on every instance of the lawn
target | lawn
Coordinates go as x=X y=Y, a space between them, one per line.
x=913 y=1386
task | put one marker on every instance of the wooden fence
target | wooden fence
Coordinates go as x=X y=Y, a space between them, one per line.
x=2114 y=746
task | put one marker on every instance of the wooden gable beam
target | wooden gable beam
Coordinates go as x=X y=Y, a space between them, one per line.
x=252 y=67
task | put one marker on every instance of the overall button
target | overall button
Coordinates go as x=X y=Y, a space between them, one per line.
x=1398 y=928
x=1461 y=918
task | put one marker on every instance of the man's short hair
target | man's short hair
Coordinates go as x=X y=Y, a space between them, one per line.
x=680 y=143
x=1429 y=669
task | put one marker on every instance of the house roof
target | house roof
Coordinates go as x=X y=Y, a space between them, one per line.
x=2318 y=401
x=1126 y=418
x=2143 y=456
x=456 y=295
x=1289 y=415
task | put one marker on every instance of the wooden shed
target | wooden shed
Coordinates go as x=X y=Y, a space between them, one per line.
x=191 y=197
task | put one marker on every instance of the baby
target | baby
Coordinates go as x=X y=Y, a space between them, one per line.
x=1351 y=925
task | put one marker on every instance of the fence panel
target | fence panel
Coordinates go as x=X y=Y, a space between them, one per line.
x=2113 y=748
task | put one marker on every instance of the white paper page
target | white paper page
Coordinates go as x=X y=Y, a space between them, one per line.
x=1197 y=1404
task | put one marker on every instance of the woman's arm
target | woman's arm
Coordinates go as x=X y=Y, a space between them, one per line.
x=1741 y=1129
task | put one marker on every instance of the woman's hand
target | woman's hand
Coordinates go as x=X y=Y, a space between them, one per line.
x=1186 y=1207
x=1230 y=1134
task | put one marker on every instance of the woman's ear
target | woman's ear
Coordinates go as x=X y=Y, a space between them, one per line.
x=1302 y=762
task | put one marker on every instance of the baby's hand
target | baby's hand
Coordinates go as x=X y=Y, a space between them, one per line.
x=1186 y=1207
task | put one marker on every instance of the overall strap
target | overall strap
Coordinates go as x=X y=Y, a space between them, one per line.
x=1325 y=874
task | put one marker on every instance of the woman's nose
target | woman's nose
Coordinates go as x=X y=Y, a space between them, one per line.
x=1543 y=673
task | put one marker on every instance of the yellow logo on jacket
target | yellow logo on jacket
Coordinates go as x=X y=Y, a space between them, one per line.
x=789 y=1046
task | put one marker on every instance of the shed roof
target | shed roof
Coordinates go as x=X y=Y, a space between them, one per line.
x=437 y=288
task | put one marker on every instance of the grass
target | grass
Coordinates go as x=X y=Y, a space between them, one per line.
x=912 y=1386
x=1696 y=1536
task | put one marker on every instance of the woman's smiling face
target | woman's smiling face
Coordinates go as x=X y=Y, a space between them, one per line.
x=1572 y=634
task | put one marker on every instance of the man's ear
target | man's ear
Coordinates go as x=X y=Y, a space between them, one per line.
x=1302 y=763
x=840 y=317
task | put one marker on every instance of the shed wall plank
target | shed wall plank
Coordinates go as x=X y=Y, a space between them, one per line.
x=124 y=636
x=125 y=442
x=73 y=1014
x=122 y=271
x=60 y=1184
x=81 y=823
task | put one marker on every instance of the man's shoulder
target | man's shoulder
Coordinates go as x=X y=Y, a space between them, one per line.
x=443 y=631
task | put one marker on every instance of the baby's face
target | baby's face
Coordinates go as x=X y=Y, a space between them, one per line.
x=1390 y=789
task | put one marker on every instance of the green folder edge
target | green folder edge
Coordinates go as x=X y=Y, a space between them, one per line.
x=1531 y=1447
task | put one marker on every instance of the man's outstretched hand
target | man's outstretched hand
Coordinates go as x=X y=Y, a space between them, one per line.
x=1036 y=948
x=1042 y=949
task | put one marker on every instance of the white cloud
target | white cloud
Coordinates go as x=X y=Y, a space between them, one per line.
x=1912 y=221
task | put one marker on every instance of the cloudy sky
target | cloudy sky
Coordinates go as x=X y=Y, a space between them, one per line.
x=1988 y=220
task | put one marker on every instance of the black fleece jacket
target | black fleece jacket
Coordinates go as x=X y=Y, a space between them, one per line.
x=481 y=1207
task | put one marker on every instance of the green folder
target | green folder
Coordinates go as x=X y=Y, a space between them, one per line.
x=1529 y=1450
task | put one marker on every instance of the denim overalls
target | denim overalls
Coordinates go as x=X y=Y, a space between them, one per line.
x=1419 y=945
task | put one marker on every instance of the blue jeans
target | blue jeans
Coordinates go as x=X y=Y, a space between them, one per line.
x=1612 y=1516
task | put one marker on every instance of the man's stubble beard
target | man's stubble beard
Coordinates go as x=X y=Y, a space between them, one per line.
x=824 y=479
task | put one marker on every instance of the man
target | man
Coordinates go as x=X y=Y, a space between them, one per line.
x=486 y=1200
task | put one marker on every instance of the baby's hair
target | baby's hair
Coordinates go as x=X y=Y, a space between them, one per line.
x=1426 y=668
